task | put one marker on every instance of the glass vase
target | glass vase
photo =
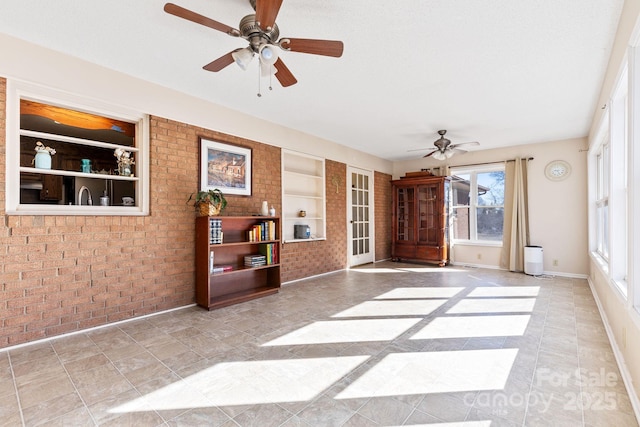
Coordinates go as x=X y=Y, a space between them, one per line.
x=43 y=160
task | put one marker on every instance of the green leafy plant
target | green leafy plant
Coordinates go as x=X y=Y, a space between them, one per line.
x=211 y=197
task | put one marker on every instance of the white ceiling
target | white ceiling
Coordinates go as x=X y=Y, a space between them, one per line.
x=501 y=72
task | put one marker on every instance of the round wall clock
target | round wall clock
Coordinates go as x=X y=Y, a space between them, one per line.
x=557 y=170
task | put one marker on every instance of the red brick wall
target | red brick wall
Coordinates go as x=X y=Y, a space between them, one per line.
x=304 y=259
x=61 y=274
x=383 y=201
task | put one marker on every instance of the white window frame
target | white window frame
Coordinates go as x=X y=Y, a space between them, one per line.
x=17 y=90
x=633 y=177
x=473 y=202
x=618 y=183
x=602 y=216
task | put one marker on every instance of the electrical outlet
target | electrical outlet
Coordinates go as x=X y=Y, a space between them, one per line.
x=555 y=262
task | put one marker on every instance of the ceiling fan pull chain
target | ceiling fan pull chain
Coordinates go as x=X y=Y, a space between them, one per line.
x=259 y=94
x=270 y=74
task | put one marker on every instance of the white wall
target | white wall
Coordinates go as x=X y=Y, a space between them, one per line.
x=27 y=62
x=557 y=210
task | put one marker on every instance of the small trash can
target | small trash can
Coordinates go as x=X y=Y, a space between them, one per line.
x=533 y=264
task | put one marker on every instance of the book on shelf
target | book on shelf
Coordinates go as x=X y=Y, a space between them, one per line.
x=270 y=252
x=255 y=260
x=221 y=269
x=264 y=230
x=215 y=231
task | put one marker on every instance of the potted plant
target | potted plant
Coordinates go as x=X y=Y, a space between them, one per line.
x=209 y=203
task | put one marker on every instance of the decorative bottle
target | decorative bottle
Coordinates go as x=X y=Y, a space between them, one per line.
x=265 y=208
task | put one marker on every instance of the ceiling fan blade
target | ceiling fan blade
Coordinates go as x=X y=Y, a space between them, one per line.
x=464 y=143
x=430 y=154
x=189 y=15
x=316 y=47
x=283 y=74
x=457 y=150
x=220 y=63
x=266 y=13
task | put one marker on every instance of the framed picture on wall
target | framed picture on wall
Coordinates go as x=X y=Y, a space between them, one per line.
x=225 y=167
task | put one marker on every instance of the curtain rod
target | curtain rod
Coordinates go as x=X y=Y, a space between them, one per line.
x=480 y=164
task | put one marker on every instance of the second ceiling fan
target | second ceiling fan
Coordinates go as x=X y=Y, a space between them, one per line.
x=262 y=33
x=445 y=149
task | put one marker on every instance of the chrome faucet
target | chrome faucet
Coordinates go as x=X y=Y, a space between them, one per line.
x=83 y=189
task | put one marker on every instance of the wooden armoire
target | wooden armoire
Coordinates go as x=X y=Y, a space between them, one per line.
x=420 y=217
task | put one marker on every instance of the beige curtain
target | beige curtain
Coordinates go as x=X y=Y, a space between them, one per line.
x=516 y=217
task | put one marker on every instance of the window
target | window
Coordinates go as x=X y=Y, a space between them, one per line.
x=610 y=157
x=68 y=155
x=477 y=199
x=602 y=202
x=618 y=192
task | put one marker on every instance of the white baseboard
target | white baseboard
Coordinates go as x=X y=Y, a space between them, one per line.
x=626 y=376
x=290 y=282
x=544 y=273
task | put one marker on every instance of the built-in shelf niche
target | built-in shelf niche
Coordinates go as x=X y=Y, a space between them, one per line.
x=303 y=189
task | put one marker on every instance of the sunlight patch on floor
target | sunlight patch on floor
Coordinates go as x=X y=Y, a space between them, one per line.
x=474 y=326
x=484 y=423
x=375 y=270
x=493 y=305
x=506 y=291
x=431 y=270
x=392 y=308
x=340 y=331
x=400 y=374
x=248 y=383
x=417 y=293
x=407 y=270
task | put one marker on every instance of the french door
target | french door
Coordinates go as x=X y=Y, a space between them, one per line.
x=360 y=216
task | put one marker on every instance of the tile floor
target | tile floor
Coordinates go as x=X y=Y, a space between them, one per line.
x=386 y=345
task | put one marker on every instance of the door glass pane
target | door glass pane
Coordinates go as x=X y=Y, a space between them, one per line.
x=366 y=182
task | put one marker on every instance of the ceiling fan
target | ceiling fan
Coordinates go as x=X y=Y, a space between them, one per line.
x=445 y=149
x=262 y=33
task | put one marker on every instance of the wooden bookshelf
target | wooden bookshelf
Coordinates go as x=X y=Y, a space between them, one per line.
x=238 y=282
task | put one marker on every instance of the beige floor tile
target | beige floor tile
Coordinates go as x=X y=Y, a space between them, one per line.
x=422 y=345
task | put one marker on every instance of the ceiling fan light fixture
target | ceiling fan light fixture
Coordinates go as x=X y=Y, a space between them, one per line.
x=449 y=153
x=243 y=57
x=268 y=54
x=439 y=155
